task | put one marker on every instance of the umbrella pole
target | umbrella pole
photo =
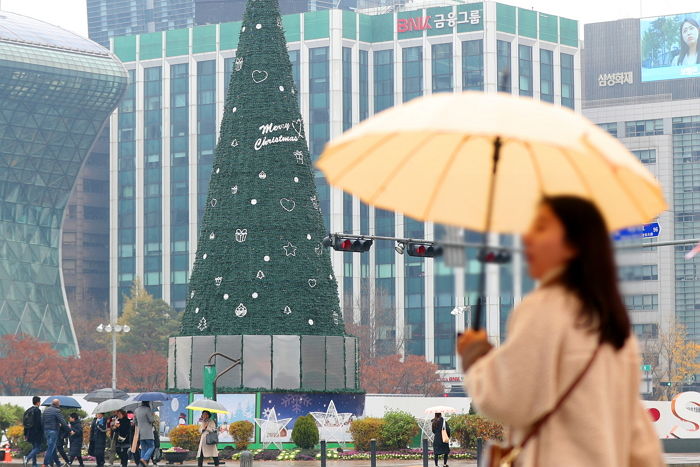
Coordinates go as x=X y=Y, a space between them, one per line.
x=480 y=306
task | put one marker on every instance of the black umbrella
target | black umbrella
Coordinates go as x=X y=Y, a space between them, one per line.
x=104 y=394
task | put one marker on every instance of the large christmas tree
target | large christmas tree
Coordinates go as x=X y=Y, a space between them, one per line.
x=260 y=266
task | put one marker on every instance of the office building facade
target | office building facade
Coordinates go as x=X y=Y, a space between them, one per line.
x=56 y=91
x=347 y=67
x=659 y=121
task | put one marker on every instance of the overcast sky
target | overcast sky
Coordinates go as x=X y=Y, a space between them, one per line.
x=71 y=14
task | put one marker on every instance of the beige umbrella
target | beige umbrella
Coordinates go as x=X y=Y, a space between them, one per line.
x=484 y=161
x=433 y=158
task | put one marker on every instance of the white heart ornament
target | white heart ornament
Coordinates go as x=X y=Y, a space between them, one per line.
x=288 y=204
x=312 y=283
x=259 y=76
x=298 y=126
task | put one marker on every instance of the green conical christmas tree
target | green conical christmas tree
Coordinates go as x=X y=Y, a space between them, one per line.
x=260 y=266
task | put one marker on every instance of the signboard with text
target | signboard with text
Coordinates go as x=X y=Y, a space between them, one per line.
x=441 y=20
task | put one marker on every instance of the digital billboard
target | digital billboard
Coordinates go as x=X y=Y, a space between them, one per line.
x=670 y=47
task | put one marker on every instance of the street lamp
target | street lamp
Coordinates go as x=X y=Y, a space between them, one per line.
x=113 y=329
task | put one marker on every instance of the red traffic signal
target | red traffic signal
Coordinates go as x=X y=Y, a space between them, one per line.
x=494 y=256
x=423 y=250
x=348 y=244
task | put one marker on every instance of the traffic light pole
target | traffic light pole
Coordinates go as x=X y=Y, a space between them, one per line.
x=692 y=241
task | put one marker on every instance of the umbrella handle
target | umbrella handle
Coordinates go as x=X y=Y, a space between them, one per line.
x=479 y=309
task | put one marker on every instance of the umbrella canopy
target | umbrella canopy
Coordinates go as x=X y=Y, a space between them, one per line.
x=67 y=402
x=207 y=404
x=433 y=160
x=111 y=405
x=101 y=395
x=151 y=397
x=440 y=409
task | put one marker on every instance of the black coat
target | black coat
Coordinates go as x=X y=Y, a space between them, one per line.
x=123 y=431
x=76 y=439
x=439 y=446
x=98 y=438
x=34 y=432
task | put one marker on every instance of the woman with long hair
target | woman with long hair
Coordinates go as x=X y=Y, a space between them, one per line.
x=688 y=55
x=565 y=383
x=440 y=447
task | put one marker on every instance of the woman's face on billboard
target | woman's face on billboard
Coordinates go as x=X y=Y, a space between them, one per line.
x=689 y=33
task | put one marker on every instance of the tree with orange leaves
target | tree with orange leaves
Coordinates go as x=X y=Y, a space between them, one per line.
x=27 y=365
x=393 y=375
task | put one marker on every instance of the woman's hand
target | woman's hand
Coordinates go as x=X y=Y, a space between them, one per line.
x=471 y=346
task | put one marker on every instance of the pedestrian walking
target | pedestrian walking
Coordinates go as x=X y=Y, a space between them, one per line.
x=144 y=421
x=33 y=430
x=565 y=382
x=135 y=452
x=75 y=437
x=61 y=443
x=53 y=422
x=98 y=439
x=122 y=437
x=441 y=446
x=206 y=425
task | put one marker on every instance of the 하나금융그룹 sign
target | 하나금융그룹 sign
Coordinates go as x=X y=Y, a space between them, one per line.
x=438 y=21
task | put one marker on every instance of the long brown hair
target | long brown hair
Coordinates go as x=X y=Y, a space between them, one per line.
x=592 y=275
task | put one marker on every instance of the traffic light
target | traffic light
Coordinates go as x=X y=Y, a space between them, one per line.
x=665 y=383
x=348 y=244
x=494 y=255
x=423 y=250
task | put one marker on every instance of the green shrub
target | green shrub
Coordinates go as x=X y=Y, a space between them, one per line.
x=305 y=432
x=398 y=429
x=363 y=430
x=467 y=428
x=241 y=432
x=185 y=436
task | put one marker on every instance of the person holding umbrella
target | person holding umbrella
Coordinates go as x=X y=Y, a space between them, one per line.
x=206 y=425
x=98 y=439
x=144 y=422
x=569 y=364
x=441 y=441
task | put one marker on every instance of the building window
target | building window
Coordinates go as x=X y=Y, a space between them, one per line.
x=473 y=65
x=525 y=69
x=206 y=129
x=644 y=128
x=347 y=88
x=412 y=73
x=646 y=156
x=567 y=80
x=646 y=302
x=646 y=330
x=383 y=80
x=318 y=100
x=546 y=75
x=364 y=84
x=609 y=127
x=646 y=272
x=686 y=125
x=503 y=65
x=294 y=58
x=442 y=67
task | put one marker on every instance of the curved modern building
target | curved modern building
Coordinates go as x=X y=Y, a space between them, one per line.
x=57 y=90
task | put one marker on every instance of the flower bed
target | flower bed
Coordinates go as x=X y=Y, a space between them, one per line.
x=333 y=454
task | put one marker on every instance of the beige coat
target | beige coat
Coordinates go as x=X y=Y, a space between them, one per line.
x=602 y=423
x=207 y=450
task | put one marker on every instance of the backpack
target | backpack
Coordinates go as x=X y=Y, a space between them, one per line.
x=28 y=419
